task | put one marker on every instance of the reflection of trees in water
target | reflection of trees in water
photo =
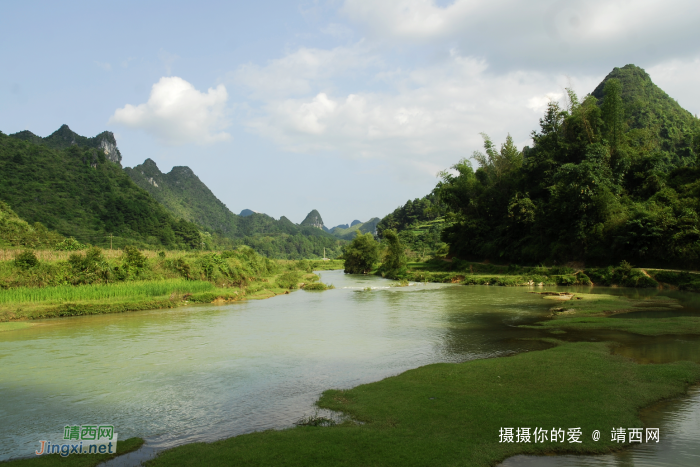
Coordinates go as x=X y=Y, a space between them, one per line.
x=483 y=322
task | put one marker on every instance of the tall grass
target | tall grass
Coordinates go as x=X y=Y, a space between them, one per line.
x=101 y=292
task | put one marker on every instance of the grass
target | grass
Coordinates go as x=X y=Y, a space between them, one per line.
x=451 y=414
x=76 y=460
x=132 y=289
x=589 y=312
x=644 y=326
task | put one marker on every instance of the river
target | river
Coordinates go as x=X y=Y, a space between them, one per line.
x=201 y=373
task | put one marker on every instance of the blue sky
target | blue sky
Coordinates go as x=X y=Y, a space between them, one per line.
x=349 y=107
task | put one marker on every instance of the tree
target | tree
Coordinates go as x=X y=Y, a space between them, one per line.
x=361 y=255
x=395 y=258
x=613 y=113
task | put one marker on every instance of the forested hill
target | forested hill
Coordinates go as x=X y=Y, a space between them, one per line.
x=78 y=192
x=184 y=195
x=609 y=177
x=64 y=137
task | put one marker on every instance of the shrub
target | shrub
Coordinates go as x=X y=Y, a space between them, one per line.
x=289 y=280
x=70 y=244
x=317 y=286
x=26 y=260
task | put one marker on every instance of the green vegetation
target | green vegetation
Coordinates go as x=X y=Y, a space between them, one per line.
x=611 y=177
x=93 y=283
x=349 y=232
x=76 y=460
x=79 y=192
x=451 y=414
x=16 y=232
x=419 y=224
x=103 y=291
x=184 y=195
x=394 y=260
x=361 y=254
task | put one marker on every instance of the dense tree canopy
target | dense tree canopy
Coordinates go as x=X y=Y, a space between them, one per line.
x=611 y=177
x=361 y=254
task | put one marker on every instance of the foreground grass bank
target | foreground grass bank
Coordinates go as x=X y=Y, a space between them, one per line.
x=451 y=414
x=81 y=460
x=95 y=283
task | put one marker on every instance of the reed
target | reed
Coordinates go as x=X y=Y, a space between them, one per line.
x=101 y=292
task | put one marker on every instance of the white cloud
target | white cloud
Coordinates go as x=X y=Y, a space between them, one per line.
x=429 y=119
x=177 y=113
x=415 y=93
x=538 y=33
x=300 y=71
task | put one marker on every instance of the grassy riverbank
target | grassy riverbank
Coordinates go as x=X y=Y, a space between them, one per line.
x=451 y=414
x=472 y=273
x=595 y=312
x=81 y=460
x=97 y=281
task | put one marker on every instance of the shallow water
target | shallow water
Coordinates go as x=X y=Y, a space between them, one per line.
x=209 y=372
x=678 y=421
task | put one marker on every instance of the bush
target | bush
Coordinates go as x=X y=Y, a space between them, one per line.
x=26 y=260
x=289 y=280
x=317 y=286
x=70 y=244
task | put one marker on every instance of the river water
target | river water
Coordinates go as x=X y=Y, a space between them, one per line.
x=202 y=373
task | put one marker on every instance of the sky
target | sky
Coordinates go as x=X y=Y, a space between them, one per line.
x=348 y=107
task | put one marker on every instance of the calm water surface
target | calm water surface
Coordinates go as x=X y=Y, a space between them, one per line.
x=209 y=372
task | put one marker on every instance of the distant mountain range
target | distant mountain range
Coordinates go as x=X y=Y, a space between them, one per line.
x=76 y=185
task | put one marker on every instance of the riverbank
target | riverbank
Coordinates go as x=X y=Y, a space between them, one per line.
x=93 y=283
x=81 y=460
x=456 y=271
x=453 y=414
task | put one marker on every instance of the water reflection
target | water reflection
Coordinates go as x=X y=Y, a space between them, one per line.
x=678 y=421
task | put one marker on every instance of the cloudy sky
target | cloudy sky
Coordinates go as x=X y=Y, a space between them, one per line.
x=349 y=107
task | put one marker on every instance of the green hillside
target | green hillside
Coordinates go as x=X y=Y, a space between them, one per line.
x=79 y=192
x=613 y=176
x=15 y=231
x=183 y=194
x=351 y=232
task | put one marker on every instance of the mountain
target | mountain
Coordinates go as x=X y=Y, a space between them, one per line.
x=611 y=177
x=648 y=109
x=313 y=219
x=348 y=233
x=64 y=137
x=355 y=222
x=75 y=186
x=184 y=195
